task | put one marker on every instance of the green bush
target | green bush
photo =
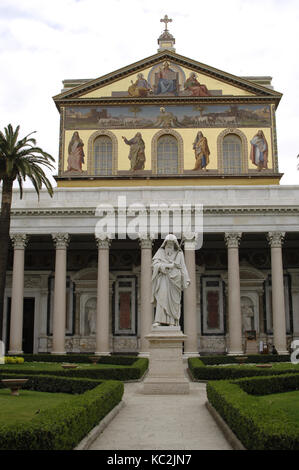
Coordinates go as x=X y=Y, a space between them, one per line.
x=133 y=372
x=269 y=385
x=63 y=427
x=258 y=427
x=46 y=383
x=251 y=358
x=13 y=360
x=80 y=358
x=202 y=372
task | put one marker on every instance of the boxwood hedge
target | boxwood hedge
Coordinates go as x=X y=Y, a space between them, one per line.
x=63 y=427
x=132 y=372
x=258 y=427
x=80 y=358
x=200 y=371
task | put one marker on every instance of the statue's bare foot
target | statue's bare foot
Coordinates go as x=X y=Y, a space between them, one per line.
x=156 y=324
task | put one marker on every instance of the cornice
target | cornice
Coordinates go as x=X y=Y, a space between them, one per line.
x=120 y=101
x=212 y=210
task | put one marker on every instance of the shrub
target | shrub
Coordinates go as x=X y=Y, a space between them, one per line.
x=201 y=372
x=13 y=360
x=251 y=358
x=258 y=427
x=80 y=358
x=269 y=385
x=132 y=372
x=63 y=427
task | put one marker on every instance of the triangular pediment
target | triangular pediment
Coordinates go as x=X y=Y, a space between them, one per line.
x=165 y=75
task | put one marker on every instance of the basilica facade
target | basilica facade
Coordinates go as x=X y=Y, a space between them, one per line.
x=172 y=141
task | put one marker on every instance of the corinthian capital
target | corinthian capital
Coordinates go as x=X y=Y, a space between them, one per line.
x=145 y=240
x=232 y=239
x=19 y=240
x=61 y=240
x=103 y=241
x=276 y=239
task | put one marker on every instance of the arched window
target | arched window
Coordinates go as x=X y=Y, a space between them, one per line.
x=167 y=155
x=102 y=154
x=232 y=157
x=102 y=157
x=232 y=152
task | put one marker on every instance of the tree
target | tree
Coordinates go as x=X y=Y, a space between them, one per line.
x=19 y=159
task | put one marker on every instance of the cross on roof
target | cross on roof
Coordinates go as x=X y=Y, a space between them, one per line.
x=166 y=20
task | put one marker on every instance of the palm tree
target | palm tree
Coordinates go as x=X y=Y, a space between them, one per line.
x=19 y=159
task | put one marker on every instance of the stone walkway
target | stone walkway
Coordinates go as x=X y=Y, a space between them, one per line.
x=160 y=422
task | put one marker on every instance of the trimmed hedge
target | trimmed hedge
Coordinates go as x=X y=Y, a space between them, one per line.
x=251 y=359
x=133 y=372
x=63 y=427
x=80 y=359
x=258 y=427
x=269 y=385
x=46 y=383
x=201 y=372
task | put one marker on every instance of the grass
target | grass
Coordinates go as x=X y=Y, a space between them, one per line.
x=287 y=403
x=23 y=408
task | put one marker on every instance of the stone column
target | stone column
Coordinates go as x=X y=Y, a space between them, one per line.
x=102 y=323
x=146 y=307
x=275 y=240
x=234 y=303
x=61 y=241
x=190 y=313
x=19 y=241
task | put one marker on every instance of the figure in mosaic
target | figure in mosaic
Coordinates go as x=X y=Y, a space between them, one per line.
x=167 y=80
x=75 y=153
x=259 y=151
x=170 y=277
x=202 y=152
x=140 y=87
x=195 y=88
x=136 y=155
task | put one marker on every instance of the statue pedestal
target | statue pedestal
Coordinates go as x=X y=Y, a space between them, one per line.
x=166 y=370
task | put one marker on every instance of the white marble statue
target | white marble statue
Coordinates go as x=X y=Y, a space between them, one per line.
x=247 y=315
x=170 y=277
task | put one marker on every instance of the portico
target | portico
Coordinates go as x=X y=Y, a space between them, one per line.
x=77 y=279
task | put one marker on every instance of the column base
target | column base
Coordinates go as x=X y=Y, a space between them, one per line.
x=236 y=353
x=102 y=353
x=188 y=355
x=144 y=354
x=15 y=353
x=59 y=353
x=283 y=353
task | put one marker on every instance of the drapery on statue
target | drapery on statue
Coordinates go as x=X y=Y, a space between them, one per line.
x=76 y=153
x=202 y=152
x=136 y=155
x=170 y=277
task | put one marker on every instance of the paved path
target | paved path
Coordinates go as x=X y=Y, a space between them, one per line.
x=160 y=422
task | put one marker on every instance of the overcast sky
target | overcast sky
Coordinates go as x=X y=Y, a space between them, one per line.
x=43 y=42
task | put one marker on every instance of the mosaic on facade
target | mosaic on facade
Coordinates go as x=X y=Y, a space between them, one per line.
x=176 y=116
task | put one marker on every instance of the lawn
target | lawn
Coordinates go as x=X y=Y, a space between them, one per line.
x=23 y=408
x=287 y=403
